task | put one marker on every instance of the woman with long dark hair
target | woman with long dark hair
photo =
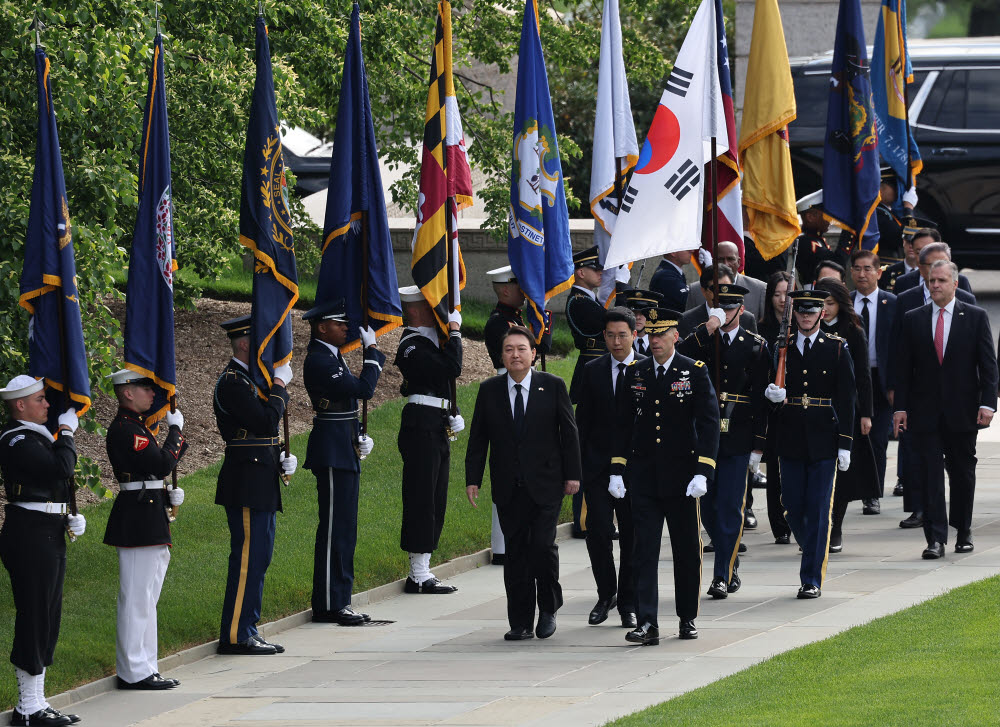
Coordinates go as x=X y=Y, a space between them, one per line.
x=860 y=481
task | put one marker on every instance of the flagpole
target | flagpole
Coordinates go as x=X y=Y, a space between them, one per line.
x=173 y=473
x=73 y=510
x=364 y=309
x=714 y=167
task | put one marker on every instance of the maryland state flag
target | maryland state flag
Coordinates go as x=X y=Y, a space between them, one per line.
x=445 y=183
x=850 y=154
x=538 y=244
x=149 y=295
x=768 y=109
x=266 y=228
x=357 y=262
x=56 y=351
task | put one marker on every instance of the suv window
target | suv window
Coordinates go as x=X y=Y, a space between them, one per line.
x=983 y=109
x=964 y=99
x=812 y=94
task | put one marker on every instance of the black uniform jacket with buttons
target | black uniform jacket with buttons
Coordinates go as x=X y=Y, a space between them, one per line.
x=501 y=318
x=35 y=469
x=744 y=371
x=427 y=370
x=817 y=431
x=585 y=317
x=334 y=392
x=139 y=517
x=668 y=432
x=251 y=470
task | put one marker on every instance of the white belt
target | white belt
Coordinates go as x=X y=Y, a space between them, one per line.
x=52 y=508
x=429 y=401
x=148 y=484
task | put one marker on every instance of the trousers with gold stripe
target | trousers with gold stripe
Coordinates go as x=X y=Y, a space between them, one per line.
x=251 y=538
x=807 y=496
x=722 y=511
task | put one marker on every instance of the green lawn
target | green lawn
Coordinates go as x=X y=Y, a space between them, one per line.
x=933 y=664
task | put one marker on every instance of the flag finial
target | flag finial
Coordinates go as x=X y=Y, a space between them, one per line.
x=38 y=26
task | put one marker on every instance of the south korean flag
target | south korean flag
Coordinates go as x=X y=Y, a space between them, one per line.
x=663 y=204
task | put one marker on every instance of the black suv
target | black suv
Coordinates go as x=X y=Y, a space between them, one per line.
x=954 y=105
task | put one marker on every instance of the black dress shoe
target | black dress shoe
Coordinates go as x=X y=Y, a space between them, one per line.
x=916 y=520
x=628 y=619
x=176 y=682
x=687 y=629
x=718 y=588
x=933 y=551
x=808 y=590
x=346 y=616
x=734 y=583
x=278 y=648
x=432 y=585
x=599 y=614
x=579 y=533
x=546 y=625
x=708 y=547
x=41 y=717
x=498 y=559
x=243 y=648
x=871 y=507
x=836 y=542
x=897 y=491
x=73 y=718
x=964 y=544
x=742 y=548
x=647 y=634
x=749 y=520
x=518 y=634
x=154 y=682
x=783 y=539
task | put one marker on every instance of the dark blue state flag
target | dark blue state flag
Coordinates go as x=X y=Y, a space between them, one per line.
x=850 y=153
x=538 y=243
x=56 y=351
x=149 y=295
x=357 y=262
x=266 y=228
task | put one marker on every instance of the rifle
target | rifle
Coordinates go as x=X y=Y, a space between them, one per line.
x=784 y=330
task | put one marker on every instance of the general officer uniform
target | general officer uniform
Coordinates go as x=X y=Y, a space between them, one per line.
x=743 y=376
x=815 y=425
x=333 y=457
x=139 y=529
x=250 y=490
x=37 y=469
x=428 y=366
x=667 y=436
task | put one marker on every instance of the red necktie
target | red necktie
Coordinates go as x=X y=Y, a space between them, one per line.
x=939 y=336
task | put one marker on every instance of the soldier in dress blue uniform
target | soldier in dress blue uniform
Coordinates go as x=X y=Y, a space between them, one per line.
x=666 y=443
x=428 y=365
x=335 y=446
x=249 y=487
x=639 y=301
x=138 y=526
x=36 y=469
x=815 y=428
x=743 y=376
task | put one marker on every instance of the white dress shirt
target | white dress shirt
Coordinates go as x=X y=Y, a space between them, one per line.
x=872 y=316
x=665 y=366
x=525 y=388
x=245 y=366
x=588 y=291
x=800 y=340
x=336 y=351
x=614 y=369
x=949 y=312
x=645 y=343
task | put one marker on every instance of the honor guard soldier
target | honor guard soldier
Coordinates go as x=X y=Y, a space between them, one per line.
x=428 y=365
x=666 y=442
x=812 y=245
x=333 y=455
x=249 y=487
x=37 y=469
x=639 y=301
x=138 y=526
x=815 y=428
x=744 y=365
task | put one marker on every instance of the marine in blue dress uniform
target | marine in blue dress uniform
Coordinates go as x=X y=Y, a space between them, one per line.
x=743 y=376
x=815 y=428
x=333 y=455
x=249 y=487
x=666 y=443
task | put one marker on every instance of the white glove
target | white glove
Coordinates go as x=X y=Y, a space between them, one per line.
x=704 y=257
x=616 y=486
x=718 y=314
x=456 y=423
x=910 y=196
x=698 y=486
x=843 y=459
x=365 y=444
x=755 y=458
x=367 y=336
x=774 y=393
x=77 y=524
x=289 y=463
x=174 y=419
x=455 y=317
x=69 y=419
x=176 y=496
x=284 y=373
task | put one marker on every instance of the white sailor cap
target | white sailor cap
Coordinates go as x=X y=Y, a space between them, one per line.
x=410 y=294
x=127 y=376
x=19 y=386
x=809 y=201
x=502 y=275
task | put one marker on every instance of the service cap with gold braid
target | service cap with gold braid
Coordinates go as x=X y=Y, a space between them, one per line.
x=640 y=300
x=237 y=327
x=808 y=301
x=661 y=320
x=730 y=295
x=589 y=258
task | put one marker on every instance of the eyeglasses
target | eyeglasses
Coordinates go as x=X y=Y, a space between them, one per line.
x=865 y=269
x=618 y=336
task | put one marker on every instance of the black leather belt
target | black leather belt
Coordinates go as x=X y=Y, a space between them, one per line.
x=254 y=442
x=336 y=416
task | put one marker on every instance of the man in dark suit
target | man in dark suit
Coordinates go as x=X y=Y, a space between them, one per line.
x=696 y=316
x=876 y=309
x=729 y=255
x=524 y=420
x=667 y=440
x=947 y=391
x=927 y=249
x=602 y=393
x=669 y=280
